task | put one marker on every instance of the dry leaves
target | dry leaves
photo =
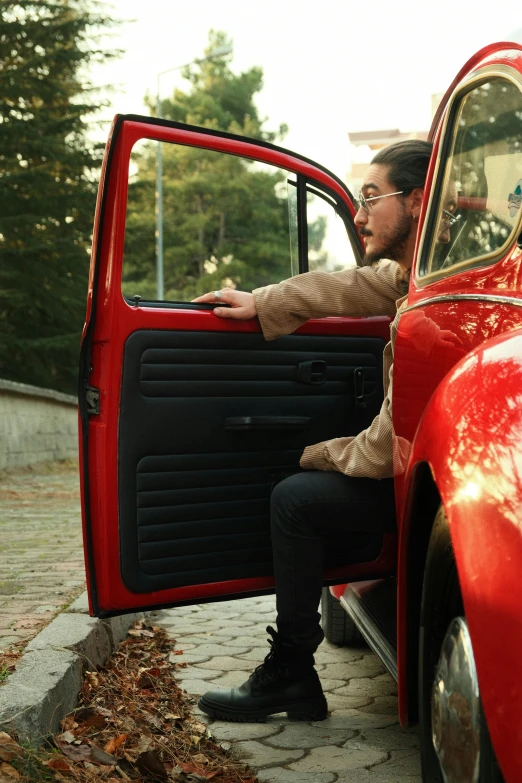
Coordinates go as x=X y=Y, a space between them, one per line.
x=133 y=723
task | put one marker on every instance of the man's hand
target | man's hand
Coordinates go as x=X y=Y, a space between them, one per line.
x=242 y=304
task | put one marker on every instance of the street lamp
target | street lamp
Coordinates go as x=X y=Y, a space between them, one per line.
x=217 y=52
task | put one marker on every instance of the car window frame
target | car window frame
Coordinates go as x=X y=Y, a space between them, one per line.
x=447 y=138
x=302 y=184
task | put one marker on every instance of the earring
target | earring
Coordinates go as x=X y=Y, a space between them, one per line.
x=415 y=217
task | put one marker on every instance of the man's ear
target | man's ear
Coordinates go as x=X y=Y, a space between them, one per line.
x=416 y=197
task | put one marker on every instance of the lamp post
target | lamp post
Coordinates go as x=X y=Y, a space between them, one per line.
x=218 y=52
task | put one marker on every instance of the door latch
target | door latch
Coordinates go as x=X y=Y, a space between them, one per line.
x=358 y=382
x=92 y=398
x=312 y=372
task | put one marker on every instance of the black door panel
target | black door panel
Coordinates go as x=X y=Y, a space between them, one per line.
x=194 y=490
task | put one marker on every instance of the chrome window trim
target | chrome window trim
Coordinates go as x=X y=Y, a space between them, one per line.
x=488 y=298
x=462 y=89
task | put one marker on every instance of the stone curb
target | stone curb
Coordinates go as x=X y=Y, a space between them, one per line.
x=48 y=678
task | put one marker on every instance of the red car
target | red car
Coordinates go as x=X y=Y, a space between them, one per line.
x=187 y=420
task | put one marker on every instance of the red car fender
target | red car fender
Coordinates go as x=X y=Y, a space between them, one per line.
x=470 y=436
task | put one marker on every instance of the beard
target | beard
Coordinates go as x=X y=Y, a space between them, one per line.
x=393 y=240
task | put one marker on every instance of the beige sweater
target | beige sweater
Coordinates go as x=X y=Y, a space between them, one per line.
x=356 y=291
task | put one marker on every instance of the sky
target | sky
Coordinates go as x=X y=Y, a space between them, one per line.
x=329 y=67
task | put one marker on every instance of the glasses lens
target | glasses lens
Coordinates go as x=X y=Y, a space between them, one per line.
x=448 y=218
x=362 y=203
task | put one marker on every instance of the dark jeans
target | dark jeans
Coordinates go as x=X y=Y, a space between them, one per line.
x=315 y=517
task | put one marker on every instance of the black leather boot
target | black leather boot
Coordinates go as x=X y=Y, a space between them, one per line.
x=285 y=682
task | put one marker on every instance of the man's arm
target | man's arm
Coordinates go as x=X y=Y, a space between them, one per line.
x=368 y=454
x=373 y=453
x=283 y=307
x=355 y=291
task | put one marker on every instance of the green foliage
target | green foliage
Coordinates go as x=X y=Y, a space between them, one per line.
x=48 y=173
x=218 y=98
x=224 y=224
x=225 y=218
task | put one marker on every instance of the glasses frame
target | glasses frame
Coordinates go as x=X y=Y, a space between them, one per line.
x=448 y=218
x=364 y=203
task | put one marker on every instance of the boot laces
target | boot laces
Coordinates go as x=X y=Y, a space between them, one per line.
x=272 y=664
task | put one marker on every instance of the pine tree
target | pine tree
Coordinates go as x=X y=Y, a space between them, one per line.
x=48 y=173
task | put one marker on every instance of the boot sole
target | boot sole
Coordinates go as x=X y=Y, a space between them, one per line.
x=304 y=711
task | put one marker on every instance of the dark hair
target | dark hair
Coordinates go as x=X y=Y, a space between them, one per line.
x=408 y=162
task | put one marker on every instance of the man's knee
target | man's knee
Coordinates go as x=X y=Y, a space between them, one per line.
x=286 y=493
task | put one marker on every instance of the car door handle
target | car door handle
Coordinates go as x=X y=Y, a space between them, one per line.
x=280 y=423
x=313 y=372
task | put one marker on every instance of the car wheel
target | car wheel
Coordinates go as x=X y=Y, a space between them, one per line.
x=338 y=626
x=455 y=742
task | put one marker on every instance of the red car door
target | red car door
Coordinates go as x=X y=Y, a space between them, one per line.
x=186 y=419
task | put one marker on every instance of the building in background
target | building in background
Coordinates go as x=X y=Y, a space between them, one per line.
x=364 y=145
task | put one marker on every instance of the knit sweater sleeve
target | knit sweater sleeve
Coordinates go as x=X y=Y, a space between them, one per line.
x=354 y=291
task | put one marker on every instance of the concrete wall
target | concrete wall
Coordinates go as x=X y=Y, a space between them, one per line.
x=36 y=424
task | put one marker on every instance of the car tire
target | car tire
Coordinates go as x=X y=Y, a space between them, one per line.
x=338 y=626
x=441 y=605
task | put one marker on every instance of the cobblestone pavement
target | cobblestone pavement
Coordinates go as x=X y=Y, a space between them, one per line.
x=41 y=551
x=361 y=741
x=42 y=570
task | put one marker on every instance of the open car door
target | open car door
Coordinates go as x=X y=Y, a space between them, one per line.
x=187 y=420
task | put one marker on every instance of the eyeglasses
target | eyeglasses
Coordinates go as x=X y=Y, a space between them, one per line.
x=448 y=218
x=366 y=203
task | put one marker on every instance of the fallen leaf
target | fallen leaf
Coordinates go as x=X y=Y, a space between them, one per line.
x=138 y=633
x=99 y=756
x=58 y=764
x=68 y=723
x=188 y=768
x=152 y=719
x=146 y=682
x=150 y=763
x=9 y=748
x=8 y=772
x=115 y=743
x=196 y=726
x=93 y=678
x=85 y=713
x=74 y=752
x=67 y=736
x=144 y=744
x=200 y=758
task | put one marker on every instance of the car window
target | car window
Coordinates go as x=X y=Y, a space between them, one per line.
x=222 y=220
x=480 y=188
x=329 y=245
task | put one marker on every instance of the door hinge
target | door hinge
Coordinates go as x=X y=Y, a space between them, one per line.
x=358 y=383
x=92 y=398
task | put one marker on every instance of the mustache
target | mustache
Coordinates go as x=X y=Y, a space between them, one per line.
x=364 y=232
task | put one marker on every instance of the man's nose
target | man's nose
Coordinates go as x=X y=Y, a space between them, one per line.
x=444 y=235
x=361 y=217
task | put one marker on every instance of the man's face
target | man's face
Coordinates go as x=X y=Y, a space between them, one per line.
x=387 y=226
x=449 y=205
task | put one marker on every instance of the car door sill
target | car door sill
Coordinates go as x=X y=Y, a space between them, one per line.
x=372 y=606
